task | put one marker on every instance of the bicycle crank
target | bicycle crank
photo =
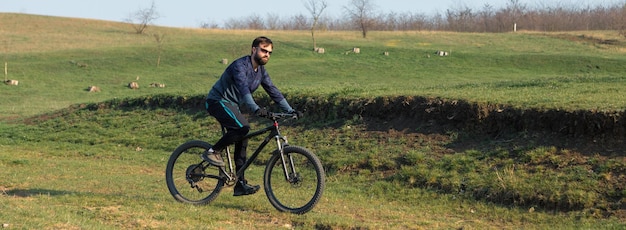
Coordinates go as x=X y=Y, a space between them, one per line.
x=229 y=178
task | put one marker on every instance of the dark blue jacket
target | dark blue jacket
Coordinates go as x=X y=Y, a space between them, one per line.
x=239 y=81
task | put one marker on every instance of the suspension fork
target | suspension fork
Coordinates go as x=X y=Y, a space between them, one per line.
x=287 y=160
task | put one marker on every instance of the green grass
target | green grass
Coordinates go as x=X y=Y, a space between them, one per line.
x=519 y=69
x=85 y=168
x=84 y=165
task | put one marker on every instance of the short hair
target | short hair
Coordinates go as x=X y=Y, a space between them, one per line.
x=262 y=40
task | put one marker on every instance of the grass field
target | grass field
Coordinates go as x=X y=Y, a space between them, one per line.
x=524 y=69
x=66 y=166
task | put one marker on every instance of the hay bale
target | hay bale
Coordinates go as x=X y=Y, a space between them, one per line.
x=441 y=53
x=320 y=50
x=93 y=89
x=133 y=85
x=157 y=85
x=356 y=50
x=224 y=61
x=11 y=82
x=386 y=53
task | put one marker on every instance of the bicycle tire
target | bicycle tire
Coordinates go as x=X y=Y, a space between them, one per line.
x=298 y=196
x=186 y=160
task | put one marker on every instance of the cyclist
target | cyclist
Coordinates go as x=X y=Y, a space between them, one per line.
x=232 y=92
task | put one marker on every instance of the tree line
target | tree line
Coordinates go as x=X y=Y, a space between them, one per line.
x=361 y=15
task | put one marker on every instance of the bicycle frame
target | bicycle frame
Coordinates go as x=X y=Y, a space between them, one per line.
x=295 y=190
x=274 y=133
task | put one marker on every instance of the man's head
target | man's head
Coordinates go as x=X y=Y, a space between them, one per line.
x=261 y=50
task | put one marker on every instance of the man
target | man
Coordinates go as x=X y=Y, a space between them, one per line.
x=234 y=91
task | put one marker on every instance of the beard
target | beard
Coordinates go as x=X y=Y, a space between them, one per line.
x=260 y=60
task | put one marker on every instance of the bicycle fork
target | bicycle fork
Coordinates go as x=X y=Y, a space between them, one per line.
x=289 y=167
x=287 y=161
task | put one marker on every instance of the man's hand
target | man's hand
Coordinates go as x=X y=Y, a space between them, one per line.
x=262 y=112
x=297 y=114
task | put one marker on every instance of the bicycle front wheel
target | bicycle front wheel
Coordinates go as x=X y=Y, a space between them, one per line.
x=190 y=179
x=294 y=181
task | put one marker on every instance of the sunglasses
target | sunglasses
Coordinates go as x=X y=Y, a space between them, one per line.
x=264 y=50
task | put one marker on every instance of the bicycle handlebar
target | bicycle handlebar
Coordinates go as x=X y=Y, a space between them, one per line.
x=277 y=116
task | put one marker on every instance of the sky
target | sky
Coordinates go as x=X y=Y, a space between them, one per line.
x=191 y=13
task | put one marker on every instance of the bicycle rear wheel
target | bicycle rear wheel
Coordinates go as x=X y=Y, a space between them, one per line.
x=302 y=188
x=190 y=179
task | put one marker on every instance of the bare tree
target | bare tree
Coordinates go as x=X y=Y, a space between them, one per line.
x=6 y=51
x=461 y=19
x=273 y=21
x=255 y=22
x=316 y=8
x=141 y=18
x=512 y=14
x=234 y=23
x=485 y=18
x=209 y=25
x=159 y=39
x=361 y=13
x=297 y=22
x=622 y=22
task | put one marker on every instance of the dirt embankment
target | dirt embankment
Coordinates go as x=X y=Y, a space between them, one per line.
x=585 y=131
x=599 y=129
x=482 y=118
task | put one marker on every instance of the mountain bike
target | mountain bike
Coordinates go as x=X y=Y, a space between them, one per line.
x=293 y=180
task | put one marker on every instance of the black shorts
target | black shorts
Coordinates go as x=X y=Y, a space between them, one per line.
x=227 y=114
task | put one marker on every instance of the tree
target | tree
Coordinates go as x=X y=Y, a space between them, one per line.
x=360 y=13
x=316 y=8
x=159 y=39
x=486 y=16
x=255 y=22
x=273 y=21
x=622 y=26
x=141 y=18
x=6 y=70
x=297 y=22
x=209 y=25
x=512 y=14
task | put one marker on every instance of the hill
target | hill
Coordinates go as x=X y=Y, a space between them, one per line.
x=521 y=130
x=577 y=70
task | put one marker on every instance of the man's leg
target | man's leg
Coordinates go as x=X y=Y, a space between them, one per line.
x=229 y=117
x=242 y=187
x=240 y=154
x=232 y=136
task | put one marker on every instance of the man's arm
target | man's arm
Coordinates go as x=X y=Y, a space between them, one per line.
x=239 y=77
x=275 y=93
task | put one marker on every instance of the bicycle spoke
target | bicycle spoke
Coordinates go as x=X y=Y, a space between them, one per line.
x=189 y=179
x=301 y=190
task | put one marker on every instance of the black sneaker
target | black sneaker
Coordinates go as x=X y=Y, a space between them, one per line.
x=243 y=188
x=214 y=158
